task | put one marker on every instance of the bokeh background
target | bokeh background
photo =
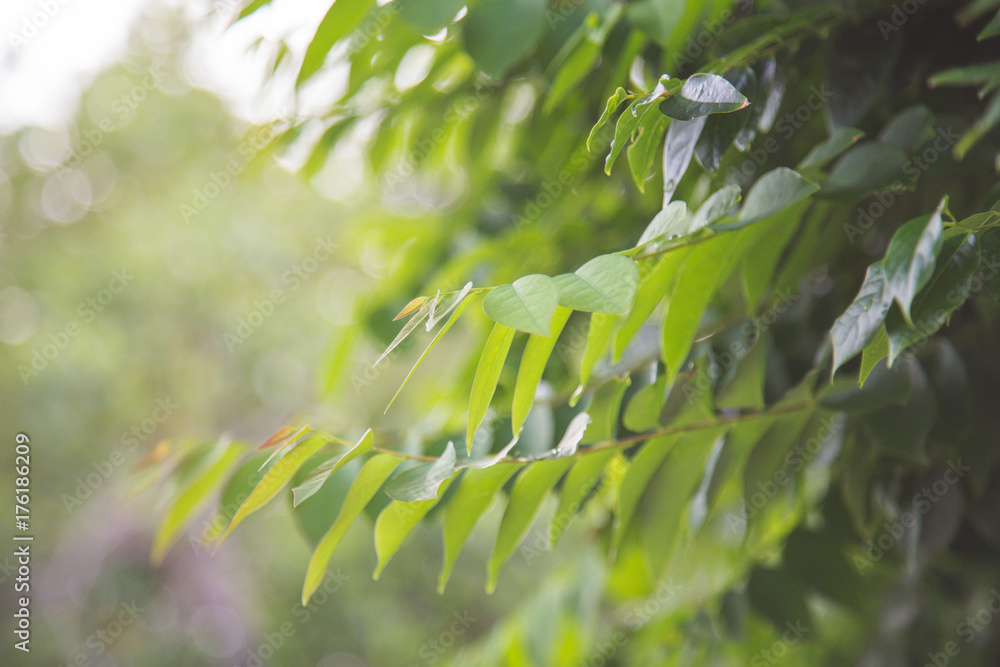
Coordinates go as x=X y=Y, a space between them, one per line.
x=114 y=117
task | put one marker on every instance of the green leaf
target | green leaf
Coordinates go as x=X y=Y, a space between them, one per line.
x=746 y=389
x=604 y=409
x=947 y=289
x=773 y=192
x=628 y=121
x=614 y=102
x=252 y=7
x=656 y=278
x=476 y=490
x=969 y=75
x=605 y=284
x=909 y=259
x=321 y=473
x=395 y=523
x=580 y=480
x=874 y=352
x=536 y=356
x=838 y=142
x=682 y=137
x=703 y=94
x=373 y=474
x=193 y=498
x=865 y=168
x=421 y=482
x=992 y=28
x=643 y=410
x=668 y=221
x=989 y=261
x=487 y=376
x=643 y=149
x=415 y=321
x=856 y=327
x=527 y=304
x=909 y=128
x=633 y=485
x=500 y=33
x=884 y=386
x=718 y=204
x=275 y=478
x=526 y=498
x=980 y=128
x=669 y=496
x=428 y=16
x=340 y=20
x=575 y=69
x=602 y=327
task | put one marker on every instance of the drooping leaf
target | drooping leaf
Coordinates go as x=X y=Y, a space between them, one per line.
x=856 y=327
x=874 y=352
x=194 y=497
x=526 y=499
x=718 y=204
x=527 y=304
x=619 y=96
x=909 y=259
x=476 y=490
x=640 y=471
x=395 y=523
x=536 y=356
x=866 y=167
x=642 y=151
x=682 y=137
x=605 y=284
x=656 y=278
x=909 y=128
x=602 y=327
x=371 y=477
x=580 y=480
x=274 y=480
x=487 y=376
x=604 y=409
x=321 y=473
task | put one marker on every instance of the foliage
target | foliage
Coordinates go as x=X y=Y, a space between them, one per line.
x=728 y=418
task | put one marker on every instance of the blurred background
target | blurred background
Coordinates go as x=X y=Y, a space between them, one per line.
x=162 y=275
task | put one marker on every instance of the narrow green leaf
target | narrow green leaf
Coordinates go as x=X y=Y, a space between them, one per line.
x=527 y=304
x=604 y=409
x=322 y=472
x=718 y=204
x=274 y=480
x=909 y=259
x=536 y=356
x=193 y=498
x=475 y=494
x=865 y=168
x=371 y=477
x=487 y=376
x=614 y=102
x=526 y=499
x=605 y=284
x=669 y=221
x=874 y=352
x=582 y=477
x=602 y=326
x=421 y=482
x=642 y=151
x=640 y=472
x=657 y=277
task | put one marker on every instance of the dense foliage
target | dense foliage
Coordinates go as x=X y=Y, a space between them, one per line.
x=754 y=354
